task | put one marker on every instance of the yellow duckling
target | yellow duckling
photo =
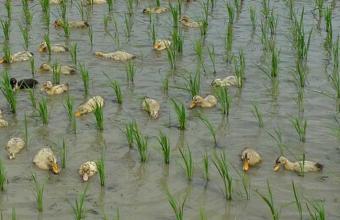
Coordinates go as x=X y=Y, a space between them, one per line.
x=117 y=55
x=307 y=166
x=72 y=24
x=87 y=170
x=14 y=146
x=161 y=44
x=46 y=160
x=207 y=102
x=250 y=158
x=151 y=106
x=18 y=57
x=226 y=82
x=89 y=106
x=3 y=122
x=64 y=69
x=93 y=2
x=188 y=22
x=155 y=10
x=56 y=48
x=51 y=89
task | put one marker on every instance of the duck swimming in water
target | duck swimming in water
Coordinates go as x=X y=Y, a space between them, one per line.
x=117 y=55
x=298 y=166
x=250 y=158
x=18 y=57
x=55 y=48
x=93 y=2
x=89 y=105
x=155 y=10
x=23 y=84
x=87 y=170
x=51 y=89
x=64 y=69
x=72 y=24
x=3 y=122
x=14 y=146
x=188 y=22
x=161 y=44
x=151 y=106
x=207 y=102
x=226 y=82
x=46 y=160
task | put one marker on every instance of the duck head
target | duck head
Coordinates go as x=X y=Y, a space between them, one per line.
x=281 y=160
x=81 y=111
x=54 y=166
x=45 y=67
x=13 y=82
x=99 y=53
x=196 y=101
x=216 y=82
x=245 y=161
x=146 y=10
x=46 y=85
x=42 y=47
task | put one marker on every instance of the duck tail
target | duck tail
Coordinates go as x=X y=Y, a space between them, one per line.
x=319 y=166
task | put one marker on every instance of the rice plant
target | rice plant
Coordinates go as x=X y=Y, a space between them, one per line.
x=231 y=13
x=224 y=99
x=297 y=199
x=32 y=64
x=300 y=126
x=90 y=34
x=45 y=7
x=142 y=144
x=210 y=127
x=26 y=11
x=99 y=115
x=252 y=13
x=69 y=106
x=163 y=141
x=66 y=28
x=63 y=154
x=222 y=167
x=3 y=178
x=81 y=11
x=335 y=77
x=56 y=73
x=277 y=137
x=180 y=113
x=73 y=52
x=79 y=206
x=31 y=93
x=229 y=40
x=110 y=5
x=193 y=84
x=316 y=210
x=130 y=129
x=8 y=6
x=14 y=215
x=101 y=169
x=165 y=85
x=270 y=202
x=176 y=14
x=7 y=52
x=258 y=115
x=48 y=43
x=171 y=54
x=26 y=131
x=205 y=161
x=177 y=206
x=85 y=78
x=106 y=22
x=319 y=7
x=272 y=23
x=188 y=164
x=130 y=71
x=116 y=88
x=177 y=40
x=8 y=92
x=6 y=28
x=153 y=33
x=128 y=22
x=240 y=68
x=329 y=28
x=43 y=111
x=158 y=3
x=212 y=56
x=130 y=7
x=25 y=35
x=198 y=48
x=39 y=191
x=300 y=75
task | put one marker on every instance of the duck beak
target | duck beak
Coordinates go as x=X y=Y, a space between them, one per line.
x=192 y=105
x=245 y=165
x=55 y=168
x=85 y=177
x=77 y=114
x=276 y=167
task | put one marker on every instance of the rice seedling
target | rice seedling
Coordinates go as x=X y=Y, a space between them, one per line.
x=106 y=22
x=69 y=106
x=210 y=127
x=56 y=73
x=32 y=98
x=14 y=215
x=204 y=28
x=319 y=7
x=231 y=14
x=39 y=191
x=180 y=113
x=188 y=164
x=90 y=34
x=165 y=85
x=130 y=71
x=45 y=6
x=6 y=28
x=272 y=22
x=153 y=33
x=205 y=161
x=48 y=43
x=8 y=92
x=329 y=29
x=229 y=40
x=130 y=129
x=246 y=184
x=240 y=68
x=300 y=126
x=297 y=199
x=25 y=35
x=63 y=8
x=32 y=64
x=142 y=144
x=81 y=11
x=158 y=3
x=79 y=206
x=85 y=78
x=224 y=99
x=130 y=7
x=277 y=136
x=99 y=115
x=176 y=14
x=171 y=52
x=66 y=28
x=177 y=206
x=163 y=141
x=116 y=88
x=110 y=5
x=193 y=84
x=43 y=111
x=335 y=77
x=301 y=74
x=7 y=52
x=270 y=202
x=73 y=52
x=252 y=13
x=177 y=40
x=26 y=131
x=101 y=169
x=203 y=215
x=3 y=178
x=212 y=56
x=8 y=6
x=265 y=8
x=63 y=154
x=198 y=48
x=258 y=115
x=128 y=21
x=222 y=167
x=316 y=210
x=26 y=11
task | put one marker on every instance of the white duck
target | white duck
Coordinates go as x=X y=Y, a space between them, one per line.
x=117 y=55
x=161 y=44
x=151 y=106
x=51 y=89
x=226 y=82
x=55 y=48
x=18 y=57
x=89 y=105
x=14 y=146
x=87 y=170
x=46 y=160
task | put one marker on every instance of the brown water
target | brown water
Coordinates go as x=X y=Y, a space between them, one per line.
x=138 y=190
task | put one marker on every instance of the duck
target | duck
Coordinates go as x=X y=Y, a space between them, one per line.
x=161 y=44
x=226 y=82
x=56 y=48
x=188 y=22
x=307 y=166
x=3 y=122
x=87 y=170
x=250 y=158
x=64 y=69
x=155 y=10
x=18 y=57
x=117 y=55
x=93 y=2
x=207 y=102
x=23 y=84
x=56 y=2
x=14 y=146
x=89 y=105
x=51 y=89
x=72 y=24
x=45 y=159
x=151 y=106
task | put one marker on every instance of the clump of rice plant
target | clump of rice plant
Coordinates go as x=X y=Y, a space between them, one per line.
x=99 y=115
x=270 y=202
x=48 y=43
x=224 y=99
x=277 y=137
x=142 y=145
x=66 y=28
x=300 y=126
x=329 y=28
x=240 y=69
x=180 y=113
x=45 y=7
x=177 y=206
x=85 y=78
x=8 y=91
x=177 y=40
x=163 y=141
x=69 y=106
x=110 y=5
x=335 y=77
x=193 y=84
x=6 y=25
x=73 y=52
x=130 y=129
x=39 y=190
x=116 y=88
x=56 y=73
x=212 y=56
x=297 y=199
x=2 y=176
x=7 y=52
x=26 y=131
x=32 y=97
x=319 y=7
x=252 y=13
x=229 y=39
x=63 y=155
x=205 y=161
x=210 y=127
x=79 y=206
x=175 y=13
x=32 y=64
x=8 y=6
x=258 y=115
x=130 y=71
x=316 y=210
x=301 y=75
x=188 y=162
x=14 y=215
x=25 y=35
x=27 y=13
x=130 y=7
x=101 y=170
x=90 y=34
x=171 y=54
x=128 y=21
x=43 y=111
x=222 y=167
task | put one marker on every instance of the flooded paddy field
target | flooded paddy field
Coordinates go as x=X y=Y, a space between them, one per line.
x=285 y=102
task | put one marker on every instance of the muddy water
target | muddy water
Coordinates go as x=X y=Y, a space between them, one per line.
x=138 y=190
